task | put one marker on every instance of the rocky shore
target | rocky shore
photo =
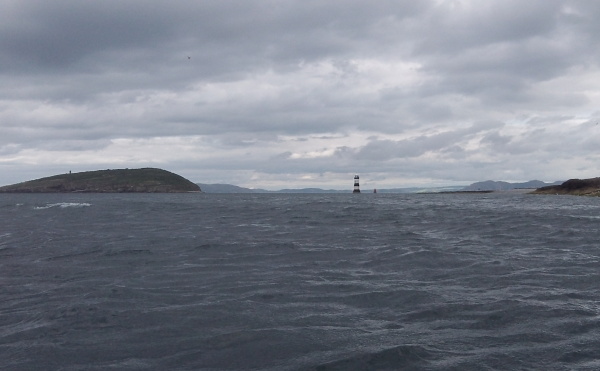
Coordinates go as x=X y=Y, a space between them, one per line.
x=577 y=187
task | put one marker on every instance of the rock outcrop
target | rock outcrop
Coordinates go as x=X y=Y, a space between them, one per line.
x=146 y=180
x=578 y=187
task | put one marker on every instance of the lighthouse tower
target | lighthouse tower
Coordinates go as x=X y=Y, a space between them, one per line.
x=356 y=188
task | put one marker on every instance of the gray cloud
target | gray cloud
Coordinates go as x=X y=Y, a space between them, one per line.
x=249 y=92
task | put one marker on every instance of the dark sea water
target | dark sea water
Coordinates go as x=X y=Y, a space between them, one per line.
x=299 y=282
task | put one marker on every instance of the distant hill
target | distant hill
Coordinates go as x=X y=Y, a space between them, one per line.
x=146 y=180
x=420 y=189
x=311 y=190
x=227 y=188
x=230 y=188
x=577 y=187
x=491 y=185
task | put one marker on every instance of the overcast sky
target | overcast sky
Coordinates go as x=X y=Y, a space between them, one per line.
x=305 y=93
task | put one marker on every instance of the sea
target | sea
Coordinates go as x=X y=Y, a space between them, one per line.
x=198 y=281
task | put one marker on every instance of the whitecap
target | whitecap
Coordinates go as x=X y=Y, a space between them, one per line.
x=63 y=205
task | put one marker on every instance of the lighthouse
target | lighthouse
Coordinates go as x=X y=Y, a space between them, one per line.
x=356 y=187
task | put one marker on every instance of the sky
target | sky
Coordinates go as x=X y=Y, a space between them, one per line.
x=290 y=94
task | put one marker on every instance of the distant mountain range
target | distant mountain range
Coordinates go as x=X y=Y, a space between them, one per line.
x=229 y=188
x=488 y=185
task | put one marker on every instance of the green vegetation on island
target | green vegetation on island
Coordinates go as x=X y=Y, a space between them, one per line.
x=146 y=180
x=577 y=187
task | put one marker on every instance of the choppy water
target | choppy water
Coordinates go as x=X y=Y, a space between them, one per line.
x=299 y=282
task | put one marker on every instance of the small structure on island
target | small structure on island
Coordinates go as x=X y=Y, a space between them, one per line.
x=356 y=186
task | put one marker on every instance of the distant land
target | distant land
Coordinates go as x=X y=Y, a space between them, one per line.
x=146 y=180
x=229 y=188
x=152 y=180
x=491 y=185
x=577 y=187
x=488 y=185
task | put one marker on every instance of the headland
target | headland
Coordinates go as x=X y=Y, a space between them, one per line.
x=576 y=187
x=145 y=180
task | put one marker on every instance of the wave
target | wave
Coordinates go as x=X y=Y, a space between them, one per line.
x=435 y=282
x=63 y=205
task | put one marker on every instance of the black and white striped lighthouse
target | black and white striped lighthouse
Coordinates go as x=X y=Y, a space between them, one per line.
x=356 y=187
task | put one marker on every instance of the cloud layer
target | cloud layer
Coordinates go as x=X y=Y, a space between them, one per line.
x=278 y=94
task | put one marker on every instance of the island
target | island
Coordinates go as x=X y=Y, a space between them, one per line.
x=577 y=187
x=145 y=180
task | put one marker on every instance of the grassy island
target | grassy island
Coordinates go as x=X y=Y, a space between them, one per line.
x=146 y=180
x=577 y=187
